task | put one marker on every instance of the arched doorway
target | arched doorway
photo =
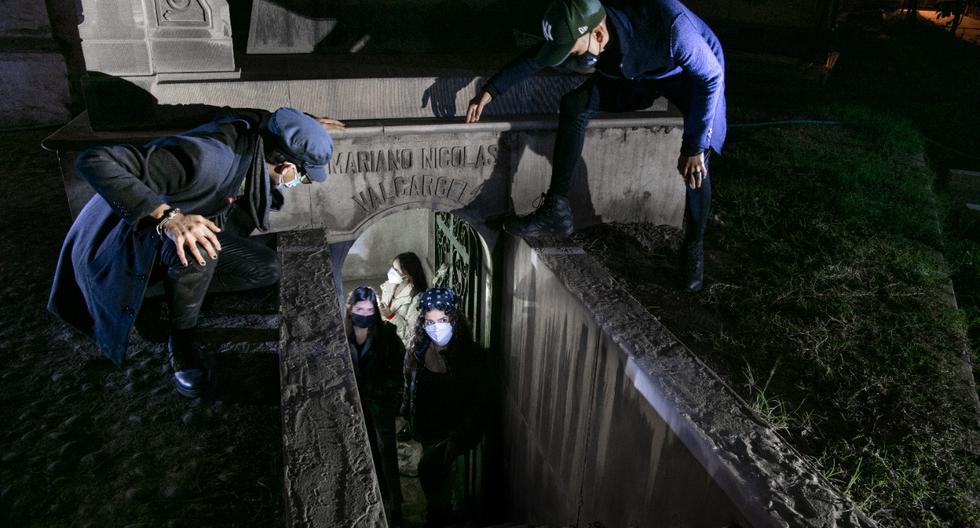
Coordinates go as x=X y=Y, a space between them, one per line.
x=454 y=254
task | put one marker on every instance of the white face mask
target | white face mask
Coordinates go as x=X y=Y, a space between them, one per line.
x=440 y=333
x=394 y=277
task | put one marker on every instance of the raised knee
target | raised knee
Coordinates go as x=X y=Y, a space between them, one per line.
x=574 y=102
x=269 y=270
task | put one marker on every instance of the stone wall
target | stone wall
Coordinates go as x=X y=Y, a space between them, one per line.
x=147 y=37
x=372 y=252
x=34 y=90
x=609 y=419
x=581 y=443
x=329 y=473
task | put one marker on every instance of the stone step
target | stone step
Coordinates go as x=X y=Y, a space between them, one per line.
x=245 y=320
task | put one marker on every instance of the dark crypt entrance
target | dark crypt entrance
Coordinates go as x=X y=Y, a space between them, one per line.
x=453 y=255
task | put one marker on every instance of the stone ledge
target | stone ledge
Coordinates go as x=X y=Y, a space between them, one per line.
x=380 y=97
x=78 y=134
x=769 y=481
x=329 y=472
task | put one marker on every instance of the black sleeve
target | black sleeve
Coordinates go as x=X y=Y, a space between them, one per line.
x=393 y=368
x=132 y=179
x=516 y=71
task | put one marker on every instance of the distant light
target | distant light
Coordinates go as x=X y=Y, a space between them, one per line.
x=359 y=45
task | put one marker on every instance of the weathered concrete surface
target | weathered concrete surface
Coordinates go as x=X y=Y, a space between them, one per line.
x=126 y=38
x=478 y=171
x=760 y=478
x=372 y=252
x=375 y=98
x=34 y=90
x=329 y=475
x=275 y=29
x=34 y=85
x=582 y=446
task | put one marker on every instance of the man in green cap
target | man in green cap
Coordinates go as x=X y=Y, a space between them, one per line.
x=635 y=52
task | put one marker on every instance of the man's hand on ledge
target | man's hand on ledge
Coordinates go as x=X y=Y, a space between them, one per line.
x=330 y=124
x=477 y=104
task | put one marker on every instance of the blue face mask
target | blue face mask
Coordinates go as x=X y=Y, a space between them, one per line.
x=295 y=182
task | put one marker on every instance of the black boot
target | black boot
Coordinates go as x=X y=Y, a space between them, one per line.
x=191 y=375
x=694 y=266
x=552 y=218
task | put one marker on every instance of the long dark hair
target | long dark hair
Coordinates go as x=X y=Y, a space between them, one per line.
x=461 y=329
x=361 y=293
x=412 y=266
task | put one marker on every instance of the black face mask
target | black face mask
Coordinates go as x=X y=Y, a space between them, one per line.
x=362 y=321
x=584 y=63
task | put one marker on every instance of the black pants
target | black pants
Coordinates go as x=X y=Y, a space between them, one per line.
x=600 y=94
x=242 y=264
x=435 y=474
x=384 y=451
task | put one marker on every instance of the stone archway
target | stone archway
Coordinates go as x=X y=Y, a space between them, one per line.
x=454 y=254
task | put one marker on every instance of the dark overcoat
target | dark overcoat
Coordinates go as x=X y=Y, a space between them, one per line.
x=110 y=251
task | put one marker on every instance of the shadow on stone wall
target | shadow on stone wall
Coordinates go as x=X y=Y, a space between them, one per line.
x=115 y=103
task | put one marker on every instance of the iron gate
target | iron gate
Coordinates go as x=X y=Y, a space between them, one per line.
x=459 y=264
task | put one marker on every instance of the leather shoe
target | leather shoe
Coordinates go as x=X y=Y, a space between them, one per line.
x=694 y=267
x=552 y=218
x=191 y=376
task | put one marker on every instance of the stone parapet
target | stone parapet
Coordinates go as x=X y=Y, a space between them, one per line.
x=329 y=473
x=653 y=385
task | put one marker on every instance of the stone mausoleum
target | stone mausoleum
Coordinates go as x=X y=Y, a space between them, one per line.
x=604 y=418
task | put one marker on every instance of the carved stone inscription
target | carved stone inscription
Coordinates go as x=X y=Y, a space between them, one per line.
x=421 y=173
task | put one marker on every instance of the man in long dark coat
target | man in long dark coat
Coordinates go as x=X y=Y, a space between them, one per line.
x=180 y=208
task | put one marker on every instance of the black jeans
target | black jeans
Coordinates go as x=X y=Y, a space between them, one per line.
x=600 y=94
x=380 y=424
x=435 y=474
x=242 y=264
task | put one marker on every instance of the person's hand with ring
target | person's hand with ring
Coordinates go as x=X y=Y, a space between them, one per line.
x=692 y=169
x=189 y=231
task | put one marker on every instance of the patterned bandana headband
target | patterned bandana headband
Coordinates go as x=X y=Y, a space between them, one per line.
x=439 y=298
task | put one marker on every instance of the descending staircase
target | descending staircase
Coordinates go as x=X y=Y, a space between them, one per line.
x=245 y=322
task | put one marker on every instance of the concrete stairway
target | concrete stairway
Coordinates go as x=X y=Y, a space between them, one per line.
x=242 y=322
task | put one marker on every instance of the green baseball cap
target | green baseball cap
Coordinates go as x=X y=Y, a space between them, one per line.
x=564 y=22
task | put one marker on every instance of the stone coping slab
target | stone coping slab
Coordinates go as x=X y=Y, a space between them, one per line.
x=768 y=480
x=329 y=473
x=78 y=134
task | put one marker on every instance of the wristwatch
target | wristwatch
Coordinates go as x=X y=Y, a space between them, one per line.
x=168 y=215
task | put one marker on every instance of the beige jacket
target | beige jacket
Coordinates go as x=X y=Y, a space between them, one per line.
x=404 y=310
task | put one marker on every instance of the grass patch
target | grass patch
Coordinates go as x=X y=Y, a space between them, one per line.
x=847 y=341
x=827 y=306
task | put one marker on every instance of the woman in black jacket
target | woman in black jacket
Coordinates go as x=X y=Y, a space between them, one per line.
x=378 y=355
x=447 y=396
